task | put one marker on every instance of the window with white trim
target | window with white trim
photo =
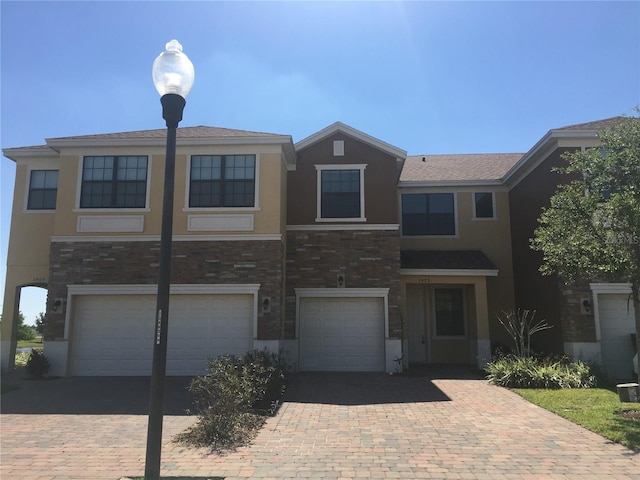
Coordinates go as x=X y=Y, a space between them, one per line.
x=43 y=190
x=114 y=182
x=222 y=181
x=483 y=205
x=340 y=192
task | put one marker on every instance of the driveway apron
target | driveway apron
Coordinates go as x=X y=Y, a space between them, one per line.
x=444 y=423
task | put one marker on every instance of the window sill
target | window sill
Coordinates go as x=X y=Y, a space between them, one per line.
x=220 y=209
x=428 y=237
x=43 y=210
x=342 y=220
x=111 y=210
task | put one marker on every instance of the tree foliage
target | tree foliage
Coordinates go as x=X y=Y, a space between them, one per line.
x=25 y=332
x=39 y=325
x=591 y=230
x=592 y=227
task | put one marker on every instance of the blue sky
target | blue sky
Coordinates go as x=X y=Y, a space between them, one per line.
x=428 y=77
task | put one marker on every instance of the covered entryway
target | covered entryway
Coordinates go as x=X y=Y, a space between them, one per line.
x=445 y=304
x=113 y=334
x=341 y=333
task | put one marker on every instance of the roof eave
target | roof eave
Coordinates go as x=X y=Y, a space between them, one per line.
x=57 y=143
x=554 y=134
x=449 y=183
x=454 y=272
x=28 y=152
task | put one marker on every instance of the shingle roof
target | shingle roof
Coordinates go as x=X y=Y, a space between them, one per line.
x=183 y=132
x=596 y=125
x=445 y=260
x=185 y=135
x=469 y=167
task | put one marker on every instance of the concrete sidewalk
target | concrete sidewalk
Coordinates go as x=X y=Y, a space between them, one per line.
x=448 y=424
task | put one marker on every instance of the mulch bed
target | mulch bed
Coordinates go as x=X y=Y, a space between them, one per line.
x=631 y=413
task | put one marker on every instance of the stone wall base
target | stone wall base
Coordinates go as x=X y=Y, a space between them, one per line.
x=589 y=352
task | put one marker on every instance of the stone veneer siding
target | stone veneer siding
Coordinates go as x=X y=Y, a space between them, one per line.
x=201 y=262
x=576 y=326
x=367 y=258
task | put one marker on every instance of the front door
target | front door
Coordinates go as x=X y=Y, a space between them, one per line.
x=417 y=323
x=437 y=321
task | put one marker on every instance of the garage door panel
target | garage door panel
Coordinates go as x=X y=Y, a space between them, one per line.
x=354 y=343
x=342 y=334
x=114 y=335
x=617 y=323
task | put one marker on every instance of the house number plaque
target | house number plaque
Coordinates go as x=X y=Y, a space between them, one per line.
x=158 y=327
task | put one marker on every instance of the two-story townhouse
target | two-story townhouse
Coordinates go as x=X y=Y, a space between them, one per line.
x=86 y=225
x=592 y=320
x=339 y=250
x=343 y=253
x=456 y=264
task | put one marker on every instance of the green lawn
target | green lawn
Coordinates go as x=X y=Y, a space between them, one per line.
x=37 y=343
x=592 y=408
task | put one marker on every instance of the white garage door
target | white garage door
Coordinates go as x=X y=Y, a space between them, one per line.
x=616 y=324
x=113 y=334
x=342 y=334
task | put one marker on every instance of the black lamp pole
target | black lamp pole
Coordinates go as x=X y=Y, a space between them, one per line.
x=172 y=107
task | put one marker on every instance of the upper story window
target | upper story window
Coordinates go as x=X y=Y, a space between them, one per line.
x=114 y=182
x=43 y=190
x=340 y=192
x=428 y=214
x=483 y=205
x=222 y=181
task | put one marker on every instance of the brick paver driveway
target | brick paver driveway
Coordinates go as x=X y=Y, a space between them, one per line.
x=446 y=424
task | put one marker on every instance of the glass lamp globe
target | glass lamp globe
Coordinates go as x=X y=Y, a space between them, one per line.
x=173 y=71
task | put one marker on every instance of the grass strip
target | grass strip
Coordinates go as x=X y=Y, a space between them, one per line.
x=596 y=409
x=36 y=343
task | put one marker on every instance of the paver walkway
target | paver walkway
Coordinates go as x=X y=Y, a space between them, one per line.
x=446 y=425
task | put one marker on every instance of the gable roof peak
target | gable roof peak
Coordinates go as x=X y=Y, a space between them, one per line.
x=594 y=125
x=351 y=132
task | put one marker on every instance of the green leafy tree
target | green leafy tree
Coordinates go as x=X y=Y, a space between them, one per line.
x=39 y=325
x=591 y=230
x=25 y=332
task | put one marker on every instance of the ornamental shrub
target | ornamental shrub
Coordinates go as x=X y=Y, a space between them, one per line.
x=37 y=365
x=521 y=325
x=233 y=399
x=512 y=371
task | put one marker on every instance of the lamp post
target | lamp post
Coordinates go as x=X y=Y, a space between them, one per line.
x=173 y=77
